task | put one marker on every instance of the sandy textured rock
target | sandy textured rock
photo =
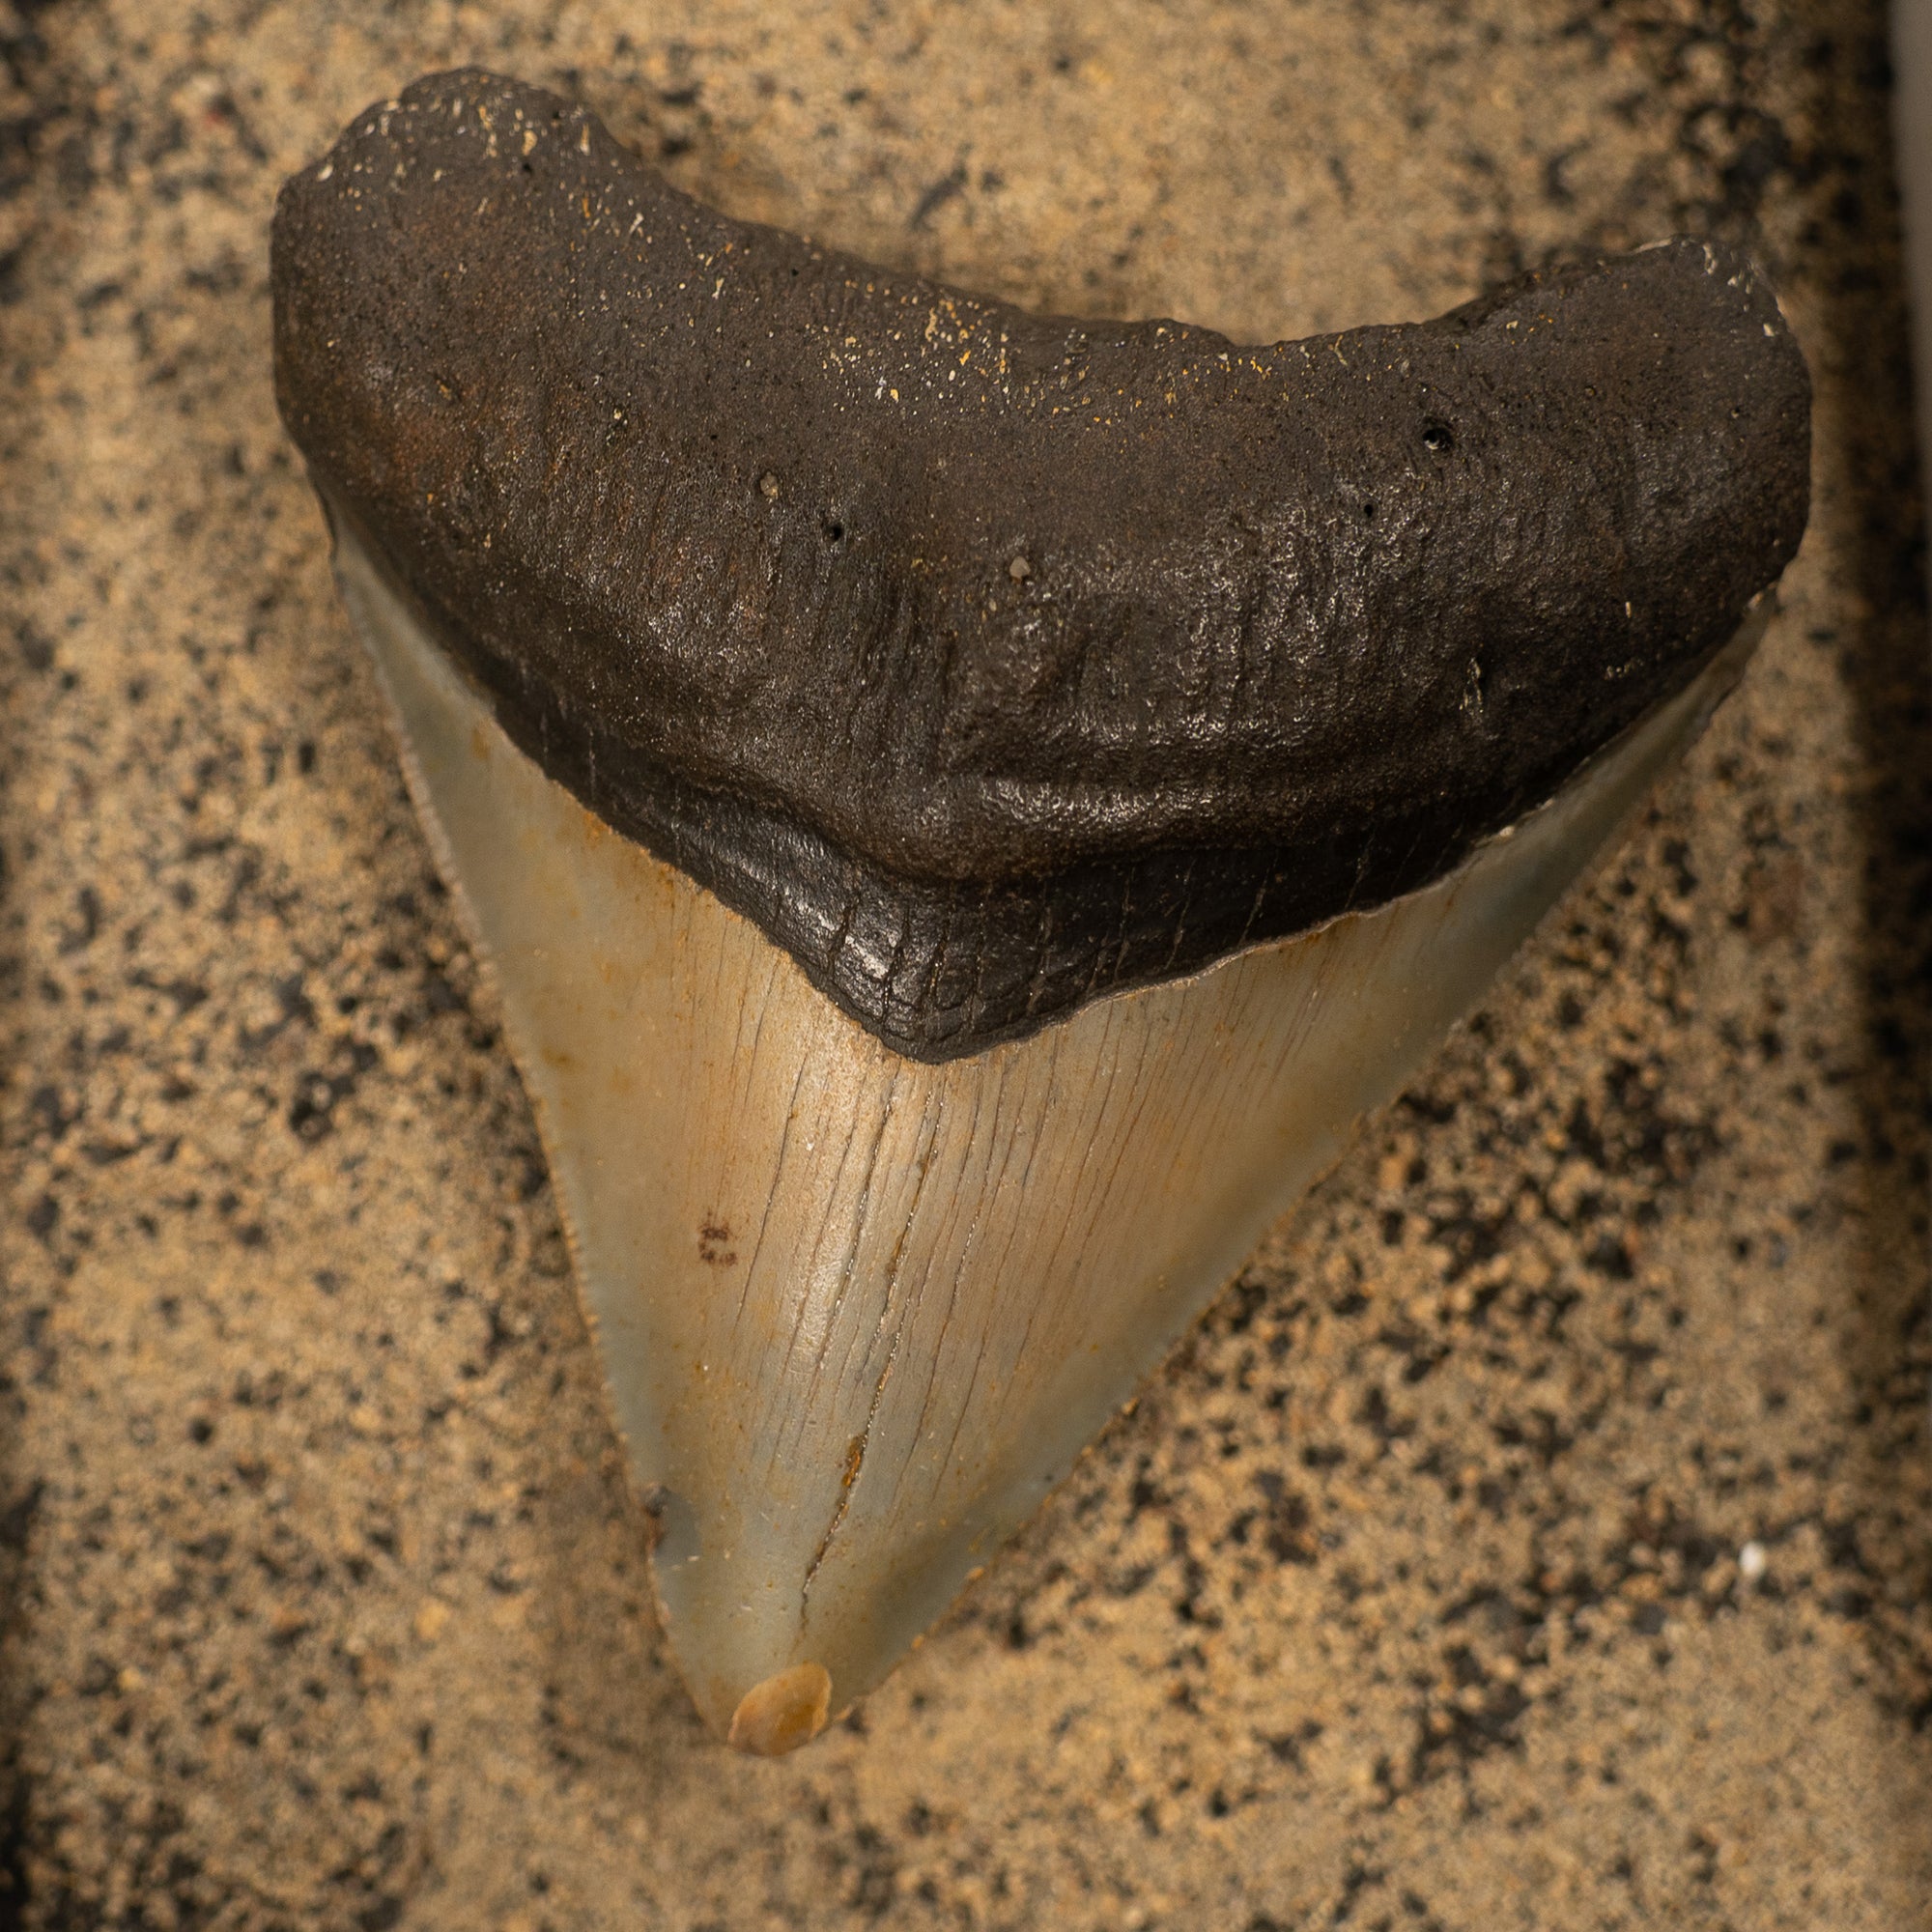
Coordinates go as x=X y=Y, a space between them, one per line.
x=1536 y=1535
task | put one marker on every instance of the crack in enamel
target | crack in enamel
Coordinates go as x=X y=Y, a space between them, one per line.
x=856 y=1453
x=960 y=1271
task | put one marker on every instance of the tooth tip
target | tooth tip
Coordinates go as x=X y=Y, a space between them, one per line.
x=786 y=1710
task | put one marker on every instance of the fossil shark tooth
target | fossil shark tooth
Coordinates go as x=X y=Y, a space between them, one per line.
x=965 y=809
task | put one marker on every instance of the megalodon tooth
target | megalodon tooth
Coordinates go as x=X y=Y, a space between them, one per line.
x=965 y=809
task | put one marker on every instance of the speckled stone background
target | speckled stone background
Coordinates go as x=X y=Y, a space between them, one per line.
x=1539 y=1534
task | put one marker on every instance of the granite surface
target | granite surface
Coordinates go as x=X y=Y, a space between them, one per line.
x=1535 y=1535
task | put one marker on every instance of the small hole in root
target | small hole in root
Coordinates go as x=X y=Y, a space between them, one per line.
x=834 y=531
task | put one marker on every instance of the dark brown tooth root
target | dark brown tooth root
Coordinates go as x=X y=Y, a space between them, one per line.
x=993 y=662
